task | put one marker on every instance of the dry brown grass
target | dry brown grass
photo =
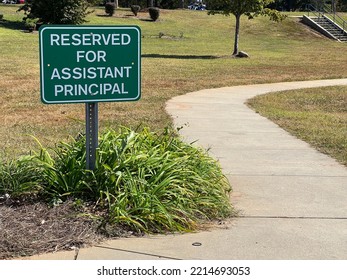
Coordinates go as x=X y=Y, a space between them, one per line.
x=285 y=52
x=317 y=116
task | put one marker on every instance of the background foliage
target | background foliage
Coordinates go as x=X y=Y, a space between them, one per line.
x=57 y=11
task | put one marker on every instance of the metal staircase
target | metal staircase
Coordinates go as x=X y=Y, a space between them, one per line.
x=325 y=20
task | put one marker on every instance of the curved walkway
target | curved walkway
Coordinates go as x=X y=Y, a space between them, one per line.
x=291 y=198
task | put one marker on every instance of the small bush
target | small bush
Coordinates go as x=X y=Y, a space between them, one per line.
x=30 y=24
x=154 y=13
x=1 y=16
x=110 y=8
x=17 y=179
x=142 y=180
x=135 y=9
x=57 y=11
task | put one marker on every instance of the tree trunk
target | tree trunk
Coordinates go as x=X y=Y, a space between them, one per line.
x=237 y=32
x=150 y=3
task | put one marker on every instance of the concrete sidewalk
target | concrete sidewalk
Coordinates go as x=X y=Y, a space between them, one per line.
x=292 y=199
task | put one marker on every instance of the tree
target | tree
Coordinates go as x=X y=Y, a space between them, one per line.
x=342 y=5
x=290 y=5
x=57 y=11
x=113 y=1
x=250 y=8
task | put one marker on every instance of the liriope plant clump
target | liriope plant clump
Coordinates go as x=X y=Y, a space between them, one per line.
x=146 y=181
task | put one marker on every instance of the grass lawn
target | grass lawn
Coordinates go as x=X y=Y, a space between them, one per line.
x=317 y=116
x=194 y=53
x=182 y=52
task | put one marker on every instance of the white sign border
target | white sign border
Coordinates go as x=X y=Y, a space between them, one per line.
x=89 y=27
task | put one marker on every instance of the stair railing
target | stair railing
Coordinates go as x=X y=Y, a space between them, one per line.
x=325 y=10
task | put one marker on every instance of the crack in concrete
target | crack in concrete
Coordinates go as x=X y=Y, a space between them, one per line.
x=293 y=217
x=139 y=253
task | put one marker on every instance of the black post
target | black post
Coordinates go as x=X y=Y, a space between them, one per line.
x=91 y=134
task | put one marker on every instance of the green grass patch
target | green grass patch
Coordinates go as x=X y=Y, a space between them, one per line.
x=142 y=180
x=317 y=116
x=192 y=54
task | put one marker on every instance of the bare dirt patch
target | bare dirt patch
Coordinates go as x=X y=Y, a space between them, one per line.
x=35 y=228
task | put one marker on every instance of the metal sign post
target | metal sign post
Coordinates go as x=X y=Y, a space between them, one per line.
x=91 y=134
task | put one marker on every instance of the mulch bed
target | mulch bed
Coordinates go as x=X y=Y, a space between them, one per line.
x=30 y=228
x=35 y=228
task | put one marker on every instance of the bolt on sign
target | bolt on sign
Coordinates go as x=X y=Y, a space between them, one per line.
x=81 y=64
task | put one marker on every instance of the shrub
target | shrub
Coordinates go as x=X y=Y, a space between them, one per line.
x=154 y=13
x=135 y=9
x=30 y=24
x=110 y=8
x=17 y=179
x=1 y=16
x=146 y=181
x=57 y=11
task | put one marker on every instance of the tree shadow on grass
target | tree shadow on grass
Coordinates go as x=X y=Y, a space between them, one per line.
x=180 y=56
x=116 y=15
x=15 y=25
x=147 y=19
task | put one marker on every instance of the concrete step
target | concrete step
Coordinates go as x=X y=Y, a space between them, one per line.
x=328 y=28
x=332 y=29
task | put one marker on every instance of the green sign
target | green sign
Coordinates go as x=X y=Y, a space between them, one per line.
x=90 y=63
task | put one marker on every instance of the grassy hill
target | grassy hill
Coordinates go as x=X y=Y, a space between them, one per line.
x=184 y=51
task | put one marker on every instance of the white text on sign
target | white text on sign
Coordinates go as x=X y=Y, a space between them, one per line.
x=90 y=39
